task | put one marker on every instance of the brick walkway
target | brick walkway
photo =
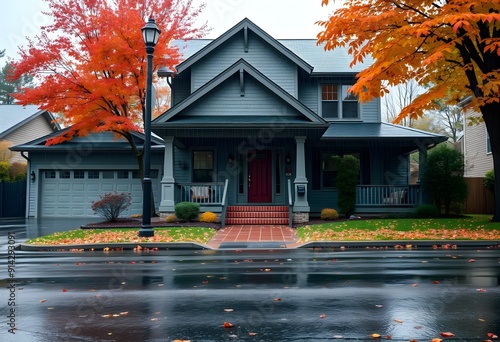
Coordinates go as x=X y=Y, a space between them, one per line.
x=254 y=234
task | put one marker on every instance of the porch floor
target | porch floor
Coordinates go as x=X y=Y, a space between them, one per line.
x=281 y=236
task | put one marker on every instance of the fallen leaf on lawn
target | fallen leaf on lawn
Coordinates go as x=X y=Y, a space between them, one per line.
x=398 y=321
x=446 y=334
x=375 y=335
x=228 y=325
x=228 y=310
x=491 y=335
x=322 y=316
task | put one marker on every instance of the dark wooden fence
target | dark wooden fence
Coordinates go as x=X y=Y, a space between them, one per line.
x=480 y=200
x=13 y=199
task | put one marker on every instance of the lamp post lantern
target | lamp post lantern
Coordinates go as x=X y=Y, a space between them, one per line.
x=150 y=33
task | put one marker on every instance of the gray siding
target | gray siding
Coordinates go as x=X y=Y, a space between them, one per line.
x=226 y=100
x=477 y=160
x=181 y=87
x=262 y=56
x=370 y=111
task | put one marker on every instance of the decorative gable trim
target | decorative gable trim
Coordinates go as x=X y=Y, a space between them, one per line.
x=242 y=67
x=244 y=25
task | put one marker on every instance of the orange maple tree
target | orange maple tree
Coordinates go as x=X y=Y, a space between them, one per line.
x=90 y=63
x=450 y=46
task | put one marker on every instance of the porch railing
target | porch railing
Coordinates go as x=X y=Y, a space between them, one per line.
x=387 y=195
x=202 y=193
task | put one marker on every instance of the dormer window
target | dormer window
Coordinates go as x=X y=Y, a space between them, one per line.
x=338 y=103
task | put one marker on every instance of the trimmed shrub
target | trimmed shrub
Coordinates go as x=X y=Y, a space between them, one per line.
x=171 y=219
x=187 y=211
x=489 y=180
x=208 y=217
x=111 y=205
x=427 y=211
x=444 y=177
x=329 y=214
x=346 y=180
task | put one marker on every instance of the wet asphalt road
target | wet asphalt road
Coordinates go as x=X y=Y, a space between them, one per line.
x=281 y=295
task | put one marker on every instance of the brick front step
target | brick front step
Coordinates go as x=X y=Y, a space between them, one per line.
x=256 y=221
x=257 y=215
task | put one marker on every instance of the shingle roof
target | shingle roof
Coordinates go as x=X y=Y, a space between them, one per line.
x=336 y=61
x=11 y=116
x=377 y=131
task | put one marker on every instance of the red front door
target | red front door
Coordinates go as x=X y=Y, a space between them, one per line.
x=260 y=177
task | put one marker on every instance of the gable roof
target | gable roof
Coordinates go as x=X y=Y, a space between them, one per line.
x=378 y=131
x=104 y=141
x=200 y=48
x=14 y=116
x=308 y=114
x=305 y=52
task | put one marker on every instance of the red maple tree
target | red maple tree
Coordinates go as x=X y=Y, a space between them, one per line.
x=89 y=65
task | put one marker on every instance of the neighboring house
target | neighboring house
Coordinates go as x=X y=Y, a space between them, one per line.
x=251 y=134
x=19 y=124
x=475 y=145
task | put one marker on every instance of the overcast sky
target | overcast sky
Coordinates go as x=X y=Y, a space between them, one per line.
x=280 y=18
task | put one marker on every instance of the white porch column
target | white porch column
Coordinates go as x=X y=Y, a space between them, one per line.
x=167 y=203
x=301 y=205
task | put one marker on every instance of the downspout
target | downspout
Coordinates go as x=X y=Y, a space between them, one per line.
x=28 y=184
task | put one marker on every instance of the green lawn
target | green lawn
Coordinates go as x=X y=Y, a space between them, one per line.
x=125 y=235
x=473 y=227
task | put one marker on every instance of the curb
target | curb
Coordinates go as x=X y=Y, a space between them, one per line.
x=342 y=245
x=114 y=246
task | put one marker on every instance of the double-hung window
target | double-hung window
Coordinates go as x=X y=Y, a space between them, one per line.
x=203 y=166
x=338 y=103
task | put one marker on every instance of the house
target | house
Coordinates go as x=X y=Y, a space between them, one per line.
x=251 y=134
x=19 y=124
x=257 y=121
x=475 y=144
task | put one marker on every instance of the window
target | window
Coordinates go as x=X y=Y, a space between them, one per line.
x=334 y=106
x=50 y=174
x=329 y=170
x=93 y=174
x=78 y=174
x=488 y=143
x=122 y=174
x=203 y=166
x=64 y=174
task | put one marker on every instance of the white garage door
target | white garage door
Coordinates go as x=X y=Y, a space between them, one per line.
x=70 y=193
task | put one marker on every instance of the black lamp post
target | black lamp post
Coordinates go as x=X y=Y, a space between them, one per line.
x=150 y=33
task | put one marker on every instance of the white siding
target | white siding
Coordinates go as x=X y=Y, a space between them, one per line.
x=477 y=160
x=33 y=129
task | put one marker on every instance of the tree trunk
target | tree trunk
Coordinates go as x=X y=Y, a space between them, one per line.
x=491 y=116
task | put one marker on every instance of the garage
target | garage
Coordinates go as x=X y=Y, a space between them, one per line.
x=70 y=193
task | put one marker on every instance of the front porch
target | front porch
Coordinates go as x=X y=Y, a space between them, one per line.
x=370 y=199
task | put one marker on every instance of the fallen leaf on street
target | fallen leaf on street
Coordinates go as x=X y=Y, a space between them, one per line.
x=228 y=325
x=446 y=334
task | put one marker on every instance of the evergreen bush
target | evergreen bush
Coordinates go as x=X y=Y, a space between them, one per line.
x=329 y=214
x=187 y=211
x=346 y=180
x=427 y=211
